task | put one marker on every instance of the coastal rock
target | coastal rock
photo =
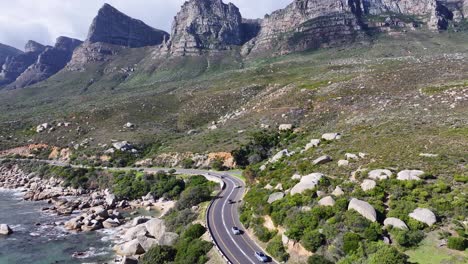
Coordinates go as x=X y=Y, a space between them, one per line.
x=409 y=175
x=380 y=174
x=5 y=230
x=130 y=248
x=128 y=260
x=363 y=208
x=307 y=182
x=424 y=215
x=135 y=232
x=110 y=223
x=168 y=239
x=113 y=27
x=327 y=201
x=395 y=222
x=275 y=197
x=155 y=227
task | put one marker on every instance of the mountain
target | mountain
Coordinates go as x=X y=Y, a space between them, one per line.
x=113 y=27
x=49 y=62
x=14 y=66
x=7 y=51
x=205 y=25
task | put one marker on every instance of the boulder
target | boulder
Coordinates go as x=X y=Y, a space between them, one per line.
x=331 y=136
x=296 y=177
x=307 y=182
x=351 y=156
x=312 y=144
x=363 y=208
x=338 y=191
x=395 y=222
x=380 y=174
x=275 y=197
x=322 y=160
x=368 y=185
x=139 y=220
x=111 y=200
x=268 y=187
x=155 y=227
x=168 y=239
x=424 y=215
x=147 y=242
x=327 y=201
x=130 y=248
x=285 y=127
x=5 y=230
x=128 y=260
x=409 y=175
x=279 y=187
x=343 y=163
x=279 y=155
x=111 y=223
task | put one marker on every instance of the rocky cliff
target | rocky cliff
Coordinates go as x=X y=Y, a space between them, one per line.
x=16 y=65
x=113 y=27
x=7 y=51
x=306 y=24
x=205 y=25
x=49 y=62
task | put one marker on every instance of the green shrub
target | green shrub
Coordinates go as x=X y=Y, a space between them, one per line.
x=193 y=196
x=194 y=231
x=263 y=233
x=277 y=250
x=159 y=255
x=318 y=259
x=351 y=242
x=457 y=243
x=387 y=255
x=312 y=240
x=188 y=163
x=176 y=221
x=192 y=251
x=407 y=238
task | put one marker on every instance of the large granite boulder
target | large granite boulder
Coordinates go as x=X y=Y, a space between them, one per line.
x=424 y=215
x=395 y=222
x=130 y=248
x=409 y=175
x=363 y=208
x=338 y=191
x=14 y=66
x=322 y=160
x=114 y=27
x=327 y=201
x=380 y=174
x=156 y=228
x=49 y=62
x=307 y=182
x=275 y=197
x=205 y=25
x=368 y=185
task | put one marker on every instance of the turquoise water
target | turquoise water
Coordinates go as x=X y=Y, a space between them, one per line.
x=36 y=240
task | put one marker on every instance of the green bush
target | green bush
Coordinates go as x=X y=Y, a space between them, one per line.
x=387 y=255
x=312 y=240
x=318 y=259
x=193 y=196
x=188 y=163
x=263 y=233
x=176 y=221
x=194 y=231
x=277 y=250
x=351 y=242
x=192 y=251
x=457 y=243
x=407 y=238
x=159 y=255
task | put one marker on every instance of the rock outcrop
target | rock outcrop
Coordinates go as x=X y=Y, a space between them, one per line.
x=363 y=208
x=207 y=25
x=114 y=27
x=307 y=182
x=49 y=62
x=275 y=197
x=16 y=65
x=5 y=230
x=7 y=51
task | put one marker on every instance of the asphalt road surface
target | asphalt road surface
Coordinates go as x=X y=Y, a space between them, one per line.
x=221 y=215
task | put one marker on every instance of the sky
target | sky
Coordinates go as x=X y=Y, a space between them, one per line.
x=45 y=20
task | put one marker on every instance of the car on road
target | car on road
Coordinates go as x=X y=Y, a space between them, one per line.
x=261 y=256
x=230 y=201
x=235 y=230
x=238 y=187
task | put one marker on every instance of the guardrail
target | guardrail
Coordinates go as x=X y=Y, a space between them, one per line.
x=223 y=186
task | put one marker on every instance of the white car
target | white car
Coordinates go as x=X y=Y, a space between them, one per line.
x=261 y=256
x=235 y=231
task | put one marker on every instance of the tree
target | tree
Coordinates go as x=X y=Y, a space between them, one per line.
x=188 y=163
x=192 y=251
x=312 y=240
x=159 y=255
x=277 y=250
x=193 y=196
x=387 y=255
x=194 y=232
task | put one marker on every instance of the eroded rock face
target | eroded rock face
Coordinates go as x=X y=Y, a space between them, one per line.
x=206 y=25
x=305 y=24
x=49 y=62
x=7 y=51
x=16 y=65
x=113 y=27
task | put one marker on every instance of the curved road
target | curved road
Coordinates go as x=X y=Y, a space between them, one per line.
x=221 y=216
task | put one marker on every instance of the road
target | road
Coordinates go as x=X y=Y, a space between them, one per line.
x=221 y=216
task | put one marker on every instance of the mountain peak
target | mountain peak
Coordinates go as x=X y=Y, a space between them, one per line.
x=33 y=46
x=114 y=27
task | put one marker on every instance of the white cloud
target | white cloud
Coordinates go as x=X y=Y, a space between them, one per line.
x=45 y=20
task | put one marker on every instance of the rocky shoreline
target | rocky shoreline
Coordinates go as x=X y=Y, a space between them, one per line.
x=95 y=210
